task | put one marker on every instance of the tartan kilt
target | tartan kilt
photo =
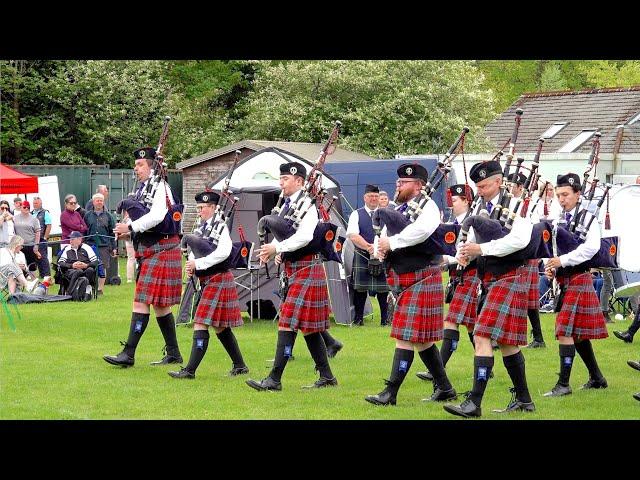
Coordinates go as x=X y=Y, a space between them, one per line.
x=417 y=316
x=580 y=316
x=533 y=280
x=160 y=280
x=464 y=305
x=503 y=317
x=306 y=306
x=362 y=281
x=218 y=305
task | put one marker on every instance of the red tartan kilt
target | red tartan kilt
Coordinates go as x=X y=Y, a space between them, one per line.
x=534 y=284
x=463 y=308
x=160 y=280
x=306 y=307
x=418 y=314
x=218 y=305
x=581 y=315
x=503 y=317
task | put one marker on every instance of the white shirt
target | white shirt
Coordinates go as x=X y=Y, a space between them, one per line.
x=220 y=254
x=6 y=231
x=304 y=234
x=418 y=231
x=536 y=214
x=353 y=227
x=157 y=211
x=588 y=249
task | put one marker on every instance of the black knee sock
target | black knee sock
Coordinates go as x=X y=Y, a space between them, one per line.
x=284 y=350
x=449 y=344
x=402 y=360
x=384 y=308
x=318 y=351
x=230 y=344
x=516 y=368
x=433 y=361
x=359 y=299
x=198 y=349
x=471 y=339
x=328 y=339
x=167 y=326
x=585 y=350
x=635 y=325
x=567 y=353
x=536 y=328
x=482 y=367
x=139 y=322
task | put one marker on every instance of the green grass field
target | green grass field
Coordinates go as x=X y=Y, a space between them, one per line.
x=52 y=368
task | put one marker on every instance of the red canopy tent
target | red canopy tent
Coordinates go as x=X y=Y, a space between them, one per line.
x=12 y=181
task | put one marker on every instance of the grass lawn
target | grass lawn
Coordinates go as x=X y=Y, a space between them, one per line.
x=52 y=368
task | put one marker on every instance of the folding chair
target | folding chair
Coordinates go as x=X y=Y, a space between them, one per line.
x=4 y=300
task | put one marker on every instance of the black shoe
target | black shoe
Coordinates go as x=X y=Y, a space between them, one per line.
x=265 y=384
x=183 y=373
x=385 y=397
x=626 y=336
x=323 y=382
x=122 y=359
x=358 y=323
x=536 y=344
x=516 y=405
x=334 y=348
x=559 y=391
x=425 y=376
x=466 y=409
x=167 y=359
x=441 y=395
x=634 y=365
x=235 y=371
x=594 y=383
x=637 y=396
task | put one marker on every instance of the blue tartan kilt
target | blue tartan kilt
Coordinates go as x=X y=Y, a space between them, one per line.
x=362 y=281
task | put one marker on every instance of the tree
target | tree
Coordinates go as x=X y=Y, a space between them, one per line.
x=387 y=107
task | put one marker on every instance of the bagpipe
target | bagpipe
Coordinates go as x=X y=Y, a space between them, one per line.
x=138 y=205
x=325 y=233
x=442 y=240
x=206 y=241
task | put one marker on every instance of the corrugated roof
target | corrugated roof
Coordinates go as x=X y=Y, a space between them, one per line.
x=308 y=151
x=602 y=109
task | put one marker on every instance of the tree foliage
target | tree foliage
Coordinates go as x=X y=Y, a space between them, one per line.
x=387 y=107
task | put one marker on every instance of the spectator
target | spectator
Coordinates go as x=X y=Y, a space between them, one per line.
x=10 y=271
x=7 y=229
x=70 y=219
x=77 y=260
x=102 y=189
x=384 y=200
x=100 y=236
x=28 y=228
x=17 y=205
x=44 y=218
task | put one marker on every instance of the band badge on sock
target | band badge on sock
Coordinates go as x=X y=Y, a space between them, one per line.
x=402 y=367
x=138 y=327
x=200 y=343
x=454 y=345
x=568 y=360
x=288 y=350
x=482 y=373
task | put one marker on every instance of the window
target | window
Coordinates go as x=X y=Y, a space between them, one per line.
x=554 y=129
x=634 y=119
x=577 y=142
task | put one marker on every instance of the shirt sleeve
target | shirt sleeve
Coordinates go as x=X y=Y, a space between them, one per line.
x=585 y=251
x=47 y=218
x=220 y=254
x=517 y=239
x=302 y=236
x=353 y=226
x=157 y=211
x=426 y=223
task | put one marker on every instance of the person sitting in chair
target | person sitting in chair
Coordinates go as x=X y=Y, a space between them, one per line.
x=77 y=260
x=11 y=273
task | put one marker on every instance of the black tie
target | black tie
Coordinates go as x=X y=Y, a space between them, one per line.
x=568 y=217
x=403 y=207
x=371 y=214
x=286 y=204
x=489 y=207
x=139 y=191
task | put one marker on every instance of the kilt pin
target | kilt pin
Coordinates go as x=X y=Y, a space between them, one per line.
x=418 y=314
